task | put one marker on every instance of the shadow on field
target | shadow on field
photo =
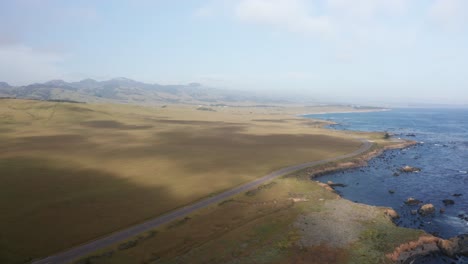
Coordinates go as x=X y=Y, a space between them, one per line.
x=111 y=124
x=270 y=120
x=228 y=149
x=194 y=122
x=46 y=208
x=52 y=142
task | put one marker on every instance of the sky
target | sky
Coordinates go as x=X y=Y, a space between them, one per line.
x=364 y=50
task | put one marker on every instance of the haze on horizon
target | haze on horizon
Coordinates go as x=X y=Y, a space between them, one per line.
x=383 y=51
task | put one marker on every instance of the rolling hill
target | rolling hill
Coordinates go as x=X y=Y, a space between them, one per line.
x=124 y=90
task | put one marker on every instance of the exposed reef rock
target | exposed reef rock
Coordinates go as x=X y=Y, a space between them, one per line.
x=408 y=169
x=332 y=184
x=426 y=209
x=412 y=201
x=448 y=202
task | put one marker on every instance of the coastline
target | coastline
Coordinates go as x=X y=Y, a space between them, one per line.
x=426 y=244
x=291 y=199
x=346 y=112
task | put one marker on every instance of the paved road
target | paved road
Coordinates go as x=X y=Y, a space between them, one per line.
x=85 y=249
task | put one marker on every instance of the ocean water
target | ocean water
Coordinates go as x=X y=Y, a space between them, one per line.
x=442 y=155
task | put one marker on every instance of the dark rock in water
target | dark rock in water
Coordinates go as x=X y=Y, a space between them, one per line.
x=410 y=169
x=396 y=174
x=332 y=184
x=412 y=201
x=463 y=244
x=391 y=191
x=442 y=210
x=410 y=135
x=426 y=209
x=448 y=202
x=463 y=217
x=457 y=194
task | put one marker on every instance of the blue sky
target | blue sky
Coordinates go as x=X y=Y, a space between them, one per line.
x=374 y=50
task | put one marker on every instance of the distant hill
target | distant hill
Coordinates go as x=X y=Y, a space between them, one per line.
x=125 y=90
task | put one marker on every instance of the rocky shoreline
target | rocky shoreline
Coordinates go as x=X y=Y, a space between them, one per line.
x=427 y=244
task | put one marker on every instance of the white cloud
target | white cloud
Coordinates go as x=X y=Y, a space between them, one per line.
x=291 y=15
x=21 y=64
x=365 y=9
x=450 y=13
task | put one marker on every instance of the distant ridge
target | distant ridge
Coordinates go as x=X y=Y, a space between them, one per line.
x=124 y=90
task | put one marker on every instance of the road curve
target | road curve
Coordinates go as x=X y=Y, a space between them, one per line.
x=85 y=249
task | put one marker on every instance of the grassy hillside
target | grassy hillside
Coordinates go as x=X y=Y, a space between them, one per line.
x=123 y=90
x=73 y=172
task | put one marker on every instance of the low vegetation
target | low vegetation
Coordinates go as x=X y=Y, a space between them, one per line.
x=74 y=172
x=292 y=221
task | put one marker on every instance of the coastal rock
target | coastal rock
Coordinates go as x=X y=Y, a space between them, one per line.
x=457 y=194
x=447 y=247
x=463 y=217
x=326 y=186
x=332 y=184
x=463 y=244
x=408 y=169
x=454 y=246
x=391 y=213
x=425 y=245
x=408 y=252
x=412 y=201
x=448 y=202
x=391 y=191
x=426 y=209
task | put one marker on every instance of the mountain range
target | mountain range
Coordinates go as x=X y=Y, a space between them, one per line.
x=124 y=90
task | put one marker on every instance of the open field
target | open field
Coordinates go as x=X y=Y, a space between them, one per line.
x=74 y=172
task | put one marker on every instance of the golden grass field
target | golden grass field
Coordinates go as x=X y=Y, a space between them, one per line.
x=73 y=172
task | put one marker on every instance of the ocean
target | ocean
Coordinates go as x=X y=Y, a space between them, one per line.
x=442 y=155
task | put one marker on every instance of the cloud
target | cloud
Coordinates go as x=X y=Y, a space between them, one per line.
x=449 y=13
x=22 y=64
x=366 y=9
x=291 y=15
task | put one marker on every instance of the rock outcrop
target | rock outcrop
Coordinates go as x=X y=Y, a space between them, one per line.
x=455 y=246
x=412 y=201
x=391 y=213
x=426 y=209
x=408 y=169
x=426 y=244
x=333 y=184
